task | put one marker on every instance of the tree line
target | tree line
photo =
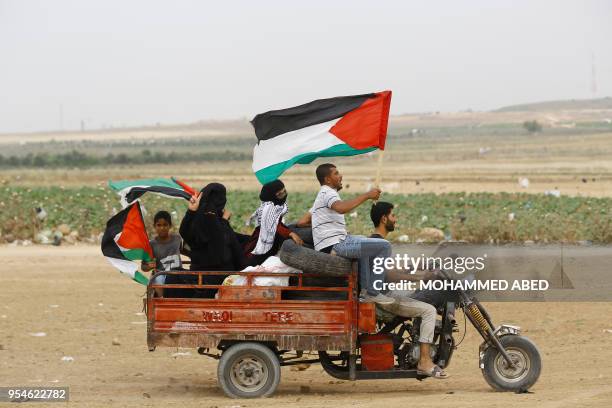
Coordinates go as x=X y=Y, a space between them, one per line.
x=76 y=158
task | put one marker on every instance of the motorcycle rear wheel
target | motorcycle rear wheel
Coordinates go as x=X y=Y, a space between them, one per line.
x=526 y=357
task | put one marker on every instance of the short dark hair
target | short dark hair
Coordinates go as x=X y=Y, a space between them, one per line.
x=162 y=215
x=323 y=170
x=379 y=210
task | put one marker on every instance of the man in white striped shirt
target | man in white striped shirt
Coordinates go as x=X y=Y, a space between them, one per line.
x=329 y=231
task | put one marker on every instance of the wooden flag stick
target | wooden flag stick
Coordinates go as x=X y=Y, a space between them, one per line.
x=381 y=154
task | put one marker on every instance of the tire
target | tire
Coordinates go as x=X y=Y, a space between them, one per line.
x=502 y=378
x=248 y=370
x=311 y=261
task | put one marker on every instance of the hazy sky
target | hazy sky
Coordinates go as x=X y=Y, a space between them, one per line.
x=119 y=62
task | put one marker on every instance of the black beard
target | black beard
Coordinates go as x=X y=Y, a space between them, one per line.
x=390 y=226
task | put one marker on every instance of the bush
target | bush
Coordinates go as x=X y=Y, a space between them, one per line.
x=532 y=126
x=78 y=159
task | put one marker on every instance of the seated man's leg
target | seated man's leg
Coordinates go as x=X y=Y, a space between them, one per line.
x=365 y=250
x=159 y=280
x=437 y=298
x=408 y=307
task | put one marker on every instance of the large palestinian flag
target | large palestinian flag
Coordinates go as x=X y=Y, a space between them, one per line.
x=125 y=241
x=342 y=126
x=131 y=190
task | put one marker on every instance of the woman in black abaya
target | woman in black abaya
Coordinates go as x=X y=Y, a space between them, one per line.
x=214 y=244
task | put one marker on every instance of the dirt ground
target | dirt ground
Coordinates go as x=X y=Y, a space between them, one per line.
x=81 y=303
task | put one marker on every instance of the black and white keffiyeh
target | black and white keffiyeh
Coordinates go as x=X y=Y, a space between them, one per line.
x=268 y=215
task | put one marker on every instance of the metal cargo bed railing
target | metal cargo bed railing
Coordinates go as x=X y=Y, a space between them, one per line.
x=302 y=316
x=349 y=278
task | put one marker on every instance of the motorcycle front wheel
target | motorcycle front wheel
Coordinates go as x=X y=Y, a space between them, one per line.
x=520 y=377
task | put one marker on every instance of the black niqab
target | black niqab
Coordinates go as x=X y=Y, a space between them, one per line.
x=213 y=199
x=269 y=190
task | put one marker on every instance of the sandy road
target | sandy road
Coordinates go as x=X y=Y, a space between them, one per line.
x=74 y=296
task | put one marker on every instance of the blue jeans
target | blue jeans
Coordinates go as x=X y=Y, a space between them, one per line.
x=160 y=280
x=365 y=250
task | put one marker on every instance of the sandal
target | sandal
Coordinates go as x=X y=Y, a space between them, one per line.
x=435 y=372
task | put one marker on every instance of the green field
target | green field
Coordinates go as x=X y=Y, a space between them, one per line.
x=476 y=217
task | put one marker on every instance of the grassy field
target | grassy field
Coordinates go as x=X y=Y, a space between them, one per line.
x=440 y=167
x=477 y=217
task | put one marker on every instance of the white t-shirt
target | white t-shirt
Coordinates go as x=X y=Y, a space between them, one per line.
x=328 y=226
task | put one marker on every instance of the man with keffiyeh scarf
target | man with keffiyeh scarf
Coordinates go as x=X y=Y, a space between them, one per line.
x=270 y=233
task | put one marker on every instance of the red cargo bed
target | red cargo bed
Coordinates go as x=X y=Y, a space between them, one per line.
x=260 y=313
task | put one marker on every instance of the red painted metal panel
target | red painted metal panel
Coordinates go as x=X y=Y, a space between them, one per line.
x=377 y=352
x=243 y=312
x=222 y=317
x=367 y=318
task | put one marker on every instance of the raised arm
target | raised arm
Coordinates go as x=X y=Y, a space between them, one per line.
x=344 y=206
x=185 y=229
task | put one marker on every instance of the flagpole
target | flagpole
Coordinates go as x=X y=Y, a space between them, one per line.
x=381 y=154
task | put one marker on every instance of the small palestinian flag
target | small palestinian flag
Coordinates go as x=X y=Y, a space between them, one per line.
x=132 y=190
x=125 y=241
x=342 y=126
